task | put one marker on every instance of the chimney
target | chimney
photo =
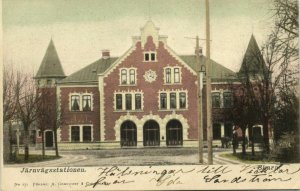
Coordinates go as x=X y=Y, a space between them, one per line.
x=200 y=51
x=105 y=54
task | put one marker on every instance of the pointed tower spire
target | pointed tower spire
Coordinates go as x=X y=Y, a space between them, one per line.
x=50 y=66
x=253 y=61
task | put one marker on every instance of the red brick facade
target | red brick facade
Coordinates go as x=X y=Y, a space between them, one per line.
x=146 y=62
x=150 y=90
x=79 y=117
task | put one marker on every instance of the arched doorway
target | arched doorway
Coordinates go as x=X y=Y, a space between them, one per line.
x=49 y=139
x=151 y=133
x=128 y=134
x=174 y=133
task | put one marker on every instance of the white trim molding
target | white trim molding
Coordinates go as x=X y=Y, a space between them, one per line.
x=102 y=107
x=133 y=106
x=80 y=94
x=161 y=121
x=172 y=75
x=121 y=120
x=81 y=131
x=181 y=119
x=128 y=83
x=168 y=92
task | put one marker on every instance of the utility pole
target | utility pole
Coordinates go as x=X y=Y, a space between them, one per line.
x=199 y=100
x=200 y=124
x=208 y=88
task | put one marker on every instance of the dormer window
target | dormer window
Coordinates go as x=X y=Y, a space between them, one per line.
x=150 y=56
x=128 y=76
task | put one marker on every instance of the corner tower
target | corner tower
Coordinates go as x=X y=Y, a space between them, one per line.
x=50 y=70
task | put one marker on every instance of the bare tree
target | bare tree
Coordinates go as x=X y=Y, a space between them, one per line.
x=9 y=103
x=286 y=14
x=27 y=99
x=246 y=107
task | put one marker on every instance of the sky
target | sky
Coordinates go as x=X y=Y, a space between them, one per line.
x=80 y=29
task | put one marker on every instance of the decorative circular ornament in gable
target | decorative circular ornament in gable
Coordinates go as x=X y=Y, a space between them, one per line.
x=150 y=76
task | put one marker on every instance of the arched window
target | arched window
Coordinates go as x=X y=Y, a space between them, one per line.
x=174 y=133
x=151 y=133
x=128 y=134
x=123 y=76
x=132 y=76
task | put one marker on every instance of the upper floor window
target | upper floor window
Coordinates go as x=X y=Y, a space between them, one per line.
x=138 y=101
x=149 y=56
x=168 y=75
x=172 y=75
x=128 y=76
x=176 y=75
x=227 y=99
x=163 y=101
x=182 y=100
x=132 y=76
x=118 y=101
x=216 y=101
x=123 y=76
x=75 y=101
x=86 y=101
x=128 y=101
x=49 y=82
x=173 y=100
x=81 y=102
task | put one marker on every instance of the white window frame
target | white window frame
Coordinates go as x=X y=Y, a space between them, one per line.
x=132 y=93
x=81 y=132
x=128 y=83
x=168 y=92
x=80 y=101
x=222 y=102
x=172 y=75
x=150 y=52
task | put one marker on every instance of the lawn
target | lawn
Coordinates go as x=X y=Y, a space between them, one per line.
x=248 y=158
x=33 y=158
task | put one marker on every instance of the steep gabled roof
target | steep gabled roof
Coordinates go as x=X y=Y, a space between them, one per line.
x=218 y=71
x=90 y=72
x=50 y=66
x=253 y=62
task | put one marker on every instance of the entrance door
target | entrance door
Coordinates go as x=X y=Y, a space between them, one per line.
x=174 y=133
x=128 y=134
x=151 y=133
x=49 y=138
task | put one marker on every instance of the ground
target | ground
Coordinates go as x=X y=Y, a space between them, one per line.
x=132 y=157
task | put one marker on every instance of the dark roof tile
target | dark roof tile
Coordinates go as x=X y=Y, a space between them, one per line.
x=50 y=66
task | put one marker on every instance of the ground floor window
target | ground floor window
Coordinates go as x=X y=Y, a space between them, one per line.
x=128 y=134
x=216 y=131
x=87 y=133
x=174 y=133
x=257 y=135
x=81 y=133
x=75 y=133
x=228 y=130
x=49 y=138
